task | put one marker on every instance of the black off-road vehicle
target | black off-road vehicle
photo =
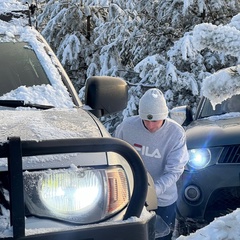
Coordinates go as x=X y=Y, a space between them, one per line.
x=210 y=184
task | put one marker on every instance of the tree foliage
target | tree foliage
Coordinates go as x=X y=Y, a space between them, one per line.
x=147 y=43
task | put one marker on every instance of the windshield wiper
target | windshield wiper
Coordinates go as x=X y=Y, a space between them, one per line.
x=21 y=103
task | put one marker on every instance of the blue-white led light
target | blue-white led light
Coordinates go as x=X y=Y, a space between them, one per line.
x=199 y=158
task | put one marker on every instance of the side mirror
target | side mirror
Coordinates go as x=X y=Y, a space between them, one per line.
x=182 y=115
x=106 y=95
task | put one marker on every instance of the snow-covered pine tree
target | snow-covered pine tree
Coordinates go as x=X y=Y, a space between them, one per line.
x=68 y=27
x=220 y=39
x=148 y=43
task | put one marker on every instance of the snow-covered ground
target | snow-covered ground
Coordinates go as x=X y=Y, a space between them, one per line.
x=222 y=228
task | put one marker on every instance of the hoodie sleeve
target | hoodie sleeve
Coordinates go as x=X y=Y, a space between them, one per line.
x=175 y=162
x=118 y=133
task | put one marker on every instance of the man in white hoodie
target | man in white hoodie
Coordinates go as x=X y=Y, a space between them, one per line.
x=161 y=142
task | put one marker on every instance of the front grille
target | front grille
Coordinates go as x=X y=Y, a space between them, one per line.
x=222 y=202
x=231 y=154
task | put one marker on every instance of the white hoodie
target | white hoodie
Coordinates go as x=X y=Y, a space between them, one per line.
x=164 y=153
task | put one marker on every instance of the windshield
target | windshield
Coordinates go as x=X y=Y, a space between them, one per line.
x=19 y=66
x=30 y=76
x=230 y=105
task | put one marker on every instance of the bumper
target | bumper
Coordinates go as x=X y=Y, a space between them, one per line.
x=202 y=191
x=132 y=229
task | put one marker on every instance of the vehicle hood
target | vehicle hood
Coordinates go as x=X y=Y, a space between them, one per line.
x=47 y=124
x=50 y=124
x=213 y=131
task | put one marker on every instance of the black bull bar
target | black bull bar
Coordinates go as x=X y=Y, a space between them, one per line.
x=14 y=149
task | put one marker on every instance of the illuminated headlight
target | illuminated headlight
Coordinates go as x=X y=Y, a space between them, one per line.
x=199 y=158
x=76 y=195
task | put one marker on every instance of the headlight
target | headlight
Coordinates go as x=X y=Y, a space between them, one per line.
x=199 y=158
x=76 y=195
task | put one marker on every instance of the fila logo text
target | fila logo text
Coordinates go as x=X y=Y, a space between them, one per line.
x=144 y=150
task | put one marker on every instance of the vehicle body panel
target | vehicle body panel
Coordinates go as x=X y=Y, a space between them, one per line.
x=213 y=132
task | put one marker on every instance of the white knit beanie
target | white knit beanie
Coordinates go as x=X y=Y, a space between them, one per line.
x=152 y=105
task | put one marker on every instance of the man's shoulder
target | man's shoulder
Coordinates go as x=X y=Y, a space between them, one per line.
x=175 y=125
x=127 y=125
x=131 y=120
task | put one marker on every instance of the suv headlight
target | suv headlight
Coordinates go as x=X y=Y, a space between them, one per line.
x=199 y=158
x=76 y=195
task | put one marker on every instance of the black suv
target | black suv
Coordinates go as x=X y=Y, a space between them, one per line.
x=210 y=184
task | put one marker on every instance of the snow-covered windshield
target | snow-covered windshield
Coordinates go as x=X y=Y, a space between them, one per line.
x=19 y=66
x=30 y=72
x=230 y=105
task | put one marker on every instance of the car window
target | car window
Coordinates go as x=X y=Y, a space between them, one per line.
x=230 y=105
x=19 y=66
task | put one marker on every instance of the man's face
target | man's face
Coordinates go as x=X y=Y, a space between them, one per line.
x=152 y=126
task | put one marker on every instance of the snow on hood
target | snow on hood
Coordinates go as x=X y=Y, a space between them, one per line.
x=29 y=124
x=231 y=115
x=47 y=124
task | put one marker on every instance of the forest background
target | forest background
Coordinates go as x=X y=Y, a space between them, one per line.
x=172 y=45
